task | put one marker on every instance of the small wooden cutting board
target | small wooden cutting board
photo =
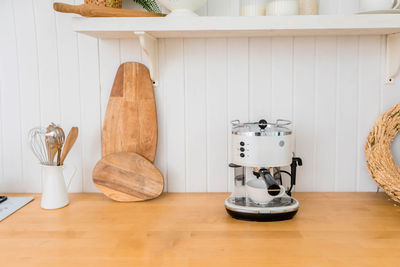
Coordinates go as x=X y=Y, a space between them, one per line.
x=130 y=123
x=127 y=176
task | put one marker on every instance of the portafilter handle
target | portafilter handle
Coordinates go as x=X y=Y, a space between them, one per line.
x=267 y=177
x=272 y=186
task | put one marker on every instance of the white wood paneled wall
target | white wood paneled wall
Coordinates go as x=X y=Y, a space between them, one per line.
x=331 y=87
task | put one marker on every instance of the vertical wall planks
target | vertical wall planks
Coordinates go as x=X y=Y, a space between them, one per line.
x=90 y=132
x=238 y=80
x=175 y=111
x=217 y=117
x=161 y=160
x=195 y=115
x=346 y=114
x=328 y=7
x=282 y=78
x=260 y=79
x=48 y=61
x=29 y=89
x=89 y=87
x=202 y=11
x=234 y=7
x=304 y=109
x=370 y=80
x=348 y=6
x=69 y=90
x=130 y=51
x=325 y=113
x=218 y=7
x=52 y=74
x=11 y=180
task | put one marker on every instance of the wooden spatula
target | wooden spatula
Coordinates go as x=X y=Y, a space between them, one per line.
x=88 y=10
x=127 y=176
x=69 y=142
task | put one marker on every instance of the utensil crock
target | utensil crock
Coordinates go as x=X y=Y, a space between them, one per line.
x=54 y=189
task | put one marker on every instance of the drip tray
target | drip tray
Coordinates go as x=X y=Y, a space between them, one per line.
x=280 y=208
x=276 y=202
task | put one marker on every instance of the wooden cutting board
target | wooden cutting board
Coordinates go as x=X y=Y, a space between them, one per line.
x=89 y=10
x=130 y=123
x=127 y=176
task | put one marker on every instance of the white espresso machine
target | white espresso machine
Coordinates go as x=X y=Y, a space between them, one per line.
x=259 y=151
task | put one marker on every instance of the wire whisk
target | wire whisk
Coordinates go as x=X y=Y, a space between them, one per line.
x=46 y=142
x=39 y=146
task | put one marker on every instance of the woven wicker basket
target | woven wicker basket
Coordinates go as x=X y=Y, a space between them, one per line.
x=114 y=3
x=380 y=162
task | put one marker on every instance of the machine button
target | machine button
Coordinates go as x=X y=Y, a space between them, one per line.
x=242 y=149
x=281 y=143
x=242 y=143
x=242 y=155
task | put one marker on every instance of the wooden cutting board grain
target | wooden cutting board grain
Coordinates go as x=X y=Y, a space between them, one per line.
x=130 y=123
x=89 y=10
x=127 y=176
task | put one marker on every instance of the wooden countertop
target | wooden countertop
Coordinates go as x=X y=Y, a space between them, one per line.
x=330 y=229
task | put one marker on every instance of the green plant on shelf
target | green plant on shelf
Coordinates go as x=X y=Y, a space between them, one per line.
x=149 y=5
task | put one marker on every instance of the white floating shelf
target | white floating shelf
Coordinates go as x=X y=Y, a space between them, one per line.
x=189 y=27
x=149 y=29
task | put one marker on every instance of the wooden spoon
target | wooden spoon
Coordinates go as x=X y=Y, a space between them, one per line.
x=52 y=147
x=69 y=142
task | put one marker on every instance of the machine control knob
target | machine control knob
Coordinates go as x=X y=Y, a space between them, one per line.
x=242 y=155
x=242 y=143
x=242 y=149
x=262 y=124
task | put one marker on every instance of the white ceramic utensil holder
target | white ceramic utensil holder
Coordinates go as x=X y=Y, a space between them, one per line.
x=54 y=190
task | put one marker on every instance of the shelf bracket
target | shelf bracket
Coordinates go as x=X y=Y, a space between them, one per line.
x=149 y=46
x=392 y=57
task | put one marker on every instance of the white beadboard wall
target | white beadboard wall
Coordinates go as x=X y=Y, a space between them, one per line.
x=331 y=87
